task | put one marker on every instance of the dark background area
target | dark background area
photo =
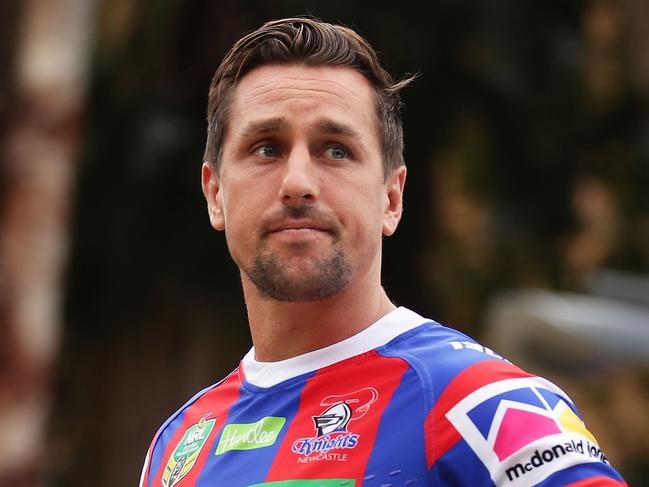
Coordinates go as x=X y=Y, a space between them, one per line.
x=528 y=156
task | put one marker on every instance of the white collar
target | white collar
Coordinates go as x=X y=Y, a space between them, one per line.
x=268 y=374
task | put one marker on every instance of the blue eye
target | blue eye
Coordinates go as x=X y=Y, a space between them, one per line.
x=267 y=151
x=337 y=152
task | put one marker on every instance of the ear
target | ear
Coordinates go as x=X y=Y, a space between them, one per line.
x=212 y=191
x=394 y=185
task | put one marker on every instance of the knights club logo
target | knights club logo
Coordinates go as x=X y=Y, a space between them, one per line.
x=331 y=425
x=333 y=419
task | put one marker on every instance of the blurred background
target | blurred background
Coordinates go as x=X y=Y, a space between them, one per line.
x=526 y=223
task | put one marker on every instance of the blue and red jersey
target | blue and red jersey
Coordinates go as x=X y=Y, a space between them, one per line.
x=405 y=402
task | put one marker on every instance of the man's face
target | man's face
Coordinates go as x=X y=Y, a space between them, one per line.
x=301 y=192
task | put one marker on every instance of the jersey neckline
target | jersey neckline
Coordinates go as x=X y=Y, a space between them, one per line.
x=382 y=331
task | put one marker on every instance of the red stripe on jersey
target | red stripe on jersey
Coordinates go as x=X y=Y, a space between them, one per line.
x=365 y=386
x=598 y=482
x=439 y=432
x=214 y=404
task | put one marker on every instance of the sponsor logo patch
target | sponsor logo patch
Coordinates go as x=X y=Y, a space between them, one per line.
x=250 y=436
x=331 y=426
x=184 y=456
x=523 y=431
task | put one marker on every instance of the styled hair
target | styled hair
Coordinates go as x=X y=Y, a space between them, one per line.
x=309 y=42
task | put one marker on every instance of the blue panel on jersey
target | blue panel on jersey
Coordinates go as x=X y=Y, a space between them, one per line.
x=400 y=439
x=550 y=397
x=251 y=466
x=483 y=415
x=460 y=466
x=579 y=472
x=428 y=349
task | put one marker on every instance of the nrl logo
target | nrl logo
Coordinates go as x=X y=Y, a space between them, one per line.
x=184 y=456
x=331 y=424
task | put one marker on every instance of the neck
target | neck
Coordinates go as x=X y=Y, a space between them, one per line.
x=281 y=330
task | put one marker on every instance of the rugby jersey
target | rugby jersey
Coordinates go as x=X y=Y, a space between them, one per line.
x=405 y=402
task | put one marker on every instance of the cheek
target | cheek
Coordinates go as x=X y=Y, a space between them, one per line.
x=240 y=222
x=367 y=219
x=239 y=200
x=239 y=217
x=240 y=236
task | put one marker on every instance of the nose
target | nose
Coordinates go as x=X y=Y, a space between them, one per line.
x=299 y=184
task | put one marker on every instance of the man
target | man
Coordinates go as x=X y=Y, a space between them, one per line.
x=304 y=173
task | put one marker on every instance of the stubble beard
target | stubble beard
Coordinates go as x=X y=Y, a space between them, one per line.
x=319 y=279
x=304 y=275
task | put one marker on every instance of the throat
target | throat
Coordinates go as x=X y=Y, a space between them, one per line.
x=281 y=330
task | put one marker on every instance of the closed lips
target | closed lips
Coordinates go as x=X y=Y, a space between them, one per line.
x=298 y=225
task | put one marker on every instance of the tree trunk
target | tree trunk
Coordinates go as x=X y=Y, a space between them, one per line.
x=37 y=167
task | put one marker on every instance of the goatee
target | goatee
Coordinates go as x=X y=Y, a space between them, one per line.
x=321 y=279
x=317 y=277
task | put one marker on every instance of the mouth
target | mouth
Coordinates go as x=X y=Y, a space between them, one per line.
x=295 y=226
x=298 y=228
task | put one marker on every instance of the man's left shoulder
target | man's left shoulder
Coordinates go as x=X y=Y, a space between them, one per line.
x=522 y=430
x=490 y=420
x=458 y=372
x=439 y=353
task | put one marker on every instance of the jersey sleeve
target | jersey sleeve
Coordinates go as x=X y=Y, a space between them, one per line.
x=144 y=476
x=494 y=424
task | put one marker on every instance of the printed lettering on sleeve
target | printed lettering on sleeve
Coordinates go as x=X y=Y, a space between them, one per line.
x=523 y=431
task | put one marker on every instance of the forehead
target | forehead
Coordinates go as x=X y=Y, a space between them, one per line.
x=300 y=93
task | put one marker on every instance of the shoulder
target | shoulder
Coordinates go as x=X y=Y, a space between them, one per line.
x=202 y=401
x=490 y=421
x=201 y=414
x=439 y=354
x=458 y=374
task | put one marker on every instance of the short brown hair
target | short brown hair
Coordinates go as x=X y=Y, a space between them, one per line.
x=308 y=41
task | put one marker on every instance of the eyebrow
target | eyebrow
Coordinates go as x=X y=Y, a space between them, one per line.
x=328 y=126
x=277 y=124
x=267 y=126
